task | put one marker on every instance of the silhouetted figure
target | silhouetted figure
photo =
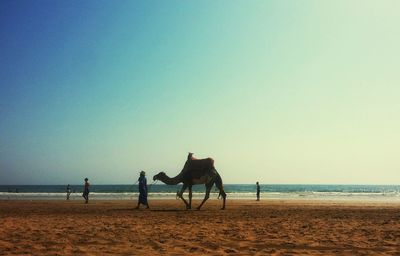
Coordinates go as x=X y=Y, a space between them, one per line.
x=195 y=171
x=86 y=191
x=258 y=191
x=142 y=191
x=68 y=191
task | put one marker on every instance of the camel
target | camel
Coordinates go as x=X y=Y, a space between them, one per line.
x=195 y=171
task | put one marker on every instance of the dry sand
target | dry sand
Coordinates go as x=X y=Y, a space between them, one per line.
x=244 y=228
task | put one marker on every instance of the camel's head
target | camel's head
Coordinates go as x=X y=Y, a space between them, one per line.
x=159 y=176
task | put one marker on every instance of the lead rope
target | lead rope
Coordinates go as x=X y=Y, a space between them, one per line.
x=149 y=186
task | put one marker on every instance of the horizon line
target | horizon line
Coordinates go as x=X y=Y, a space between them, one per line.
x=133 y=184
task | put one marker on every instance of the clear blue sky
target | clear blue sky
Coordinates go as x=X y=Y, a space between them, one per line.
x=274 y=91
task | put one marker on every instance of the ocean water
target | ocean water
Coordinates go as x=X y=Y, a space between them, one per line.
x=368 y=193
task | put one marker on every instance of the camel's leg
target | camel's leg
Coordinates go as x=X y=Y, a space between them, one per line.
x=190 y=197
x=180 y=195
x=218 y=184
x=208 y=189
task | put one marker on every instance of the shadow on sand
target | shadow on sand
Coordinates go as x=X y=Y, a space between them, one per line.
x=122 y=209
x=168 y=210
x=146 y=210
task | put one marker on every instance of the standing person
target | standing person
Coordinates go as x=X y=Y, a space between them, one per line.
x=258 y=191
x=68 y=191
x=142 y=190
x=86 y=191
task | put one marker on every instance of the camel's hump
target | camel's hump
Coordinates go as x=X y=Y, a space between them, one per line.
x=202 y=163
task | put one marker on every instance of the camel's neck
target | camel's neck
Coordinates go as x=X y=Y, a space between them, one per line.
x=171 y=181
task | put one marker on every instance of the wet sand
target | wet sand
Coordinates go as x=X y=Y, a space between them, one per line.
x=244 y=228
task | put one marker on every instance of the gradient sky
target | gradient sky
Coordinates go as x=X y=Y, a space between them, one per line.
x=274 y=91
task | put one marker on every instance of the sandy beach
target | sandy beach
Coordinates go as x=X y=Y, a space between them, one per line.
x=244 y=228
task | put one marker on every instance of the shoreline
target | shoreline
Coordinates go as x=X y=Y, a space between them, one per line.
x=236 y=202
x=374 y=199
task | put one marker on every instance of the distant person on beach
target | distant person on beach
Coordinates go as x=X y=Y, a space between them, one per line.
x=258 y=191
x=142 y=191
x=86 y=191
x=68 y=191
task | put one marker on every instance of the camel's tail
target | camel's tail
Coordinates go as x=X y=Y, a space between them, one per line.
x=220 y=186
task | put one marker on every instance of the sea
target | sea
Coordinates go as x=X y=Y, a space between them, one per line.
x=365 y=193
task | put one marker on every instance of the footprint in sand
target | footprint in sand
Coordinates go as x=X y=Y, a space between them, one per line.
x=229 y=250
